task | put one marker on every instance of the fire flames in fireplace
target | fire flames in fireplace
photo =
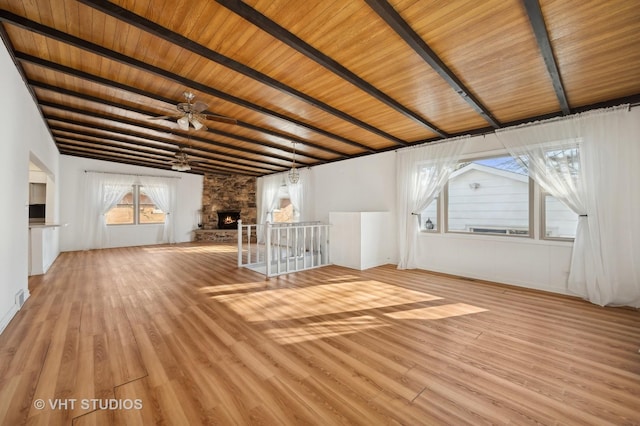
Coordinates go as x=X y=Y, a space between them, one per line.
x=228 y=219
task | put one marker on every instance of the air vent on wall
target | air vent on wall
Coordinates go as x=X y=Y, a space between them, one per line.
x=20 y=299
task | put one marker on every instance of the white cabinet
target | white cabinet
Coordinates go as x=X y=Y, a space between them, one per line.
x=43 y=243
x=37 y=193
x=360 y=240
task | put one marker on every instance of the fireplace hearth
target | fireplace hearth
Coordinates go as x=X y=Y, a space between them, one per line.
x=228 y=219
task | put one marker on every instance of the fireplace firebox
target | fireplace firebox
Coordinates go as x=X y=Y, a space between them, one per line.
x=228 y=219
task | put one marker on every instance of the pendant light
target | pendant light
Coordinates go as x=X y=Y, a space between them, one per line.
x=294 y=174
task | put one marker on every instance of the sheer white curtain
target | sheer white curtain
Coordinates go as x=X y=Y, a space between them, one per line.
x=162 y=191
x=297 y=193
x=267 y=196
x=421 y=173
x=604 y=265
x=102 y=191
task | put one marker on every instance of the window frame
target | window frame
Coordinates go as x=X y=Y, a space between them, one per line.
x=135 y=191
x=555 y=146
x=543 y=219
x=531 y=198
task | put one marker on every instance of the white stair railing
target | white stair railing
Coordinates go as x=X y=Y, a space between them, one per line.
x=281 y=248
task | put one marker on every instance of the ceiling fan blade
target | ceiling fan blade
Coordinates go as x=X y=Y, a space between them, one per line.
x=198 y=106
x=163 y=117
x=221 y=119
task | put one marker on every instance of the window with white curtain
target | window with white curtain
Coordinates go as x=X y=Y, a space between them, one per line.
x=285 y=212
x=430 y=217
x=135 y=207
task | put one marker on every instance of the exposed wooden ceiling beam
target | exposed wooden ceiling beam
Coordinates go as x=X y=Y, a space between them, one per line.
x=151 y=160
x=90 y=127
x=95 y=156
x=186 y=43
x=400 y=26
x=540 y=30
x=101 y=101
x=71 y=145
x=139 y=125
x=70 y=151
x=107 y=147
x=23 y=57
x=267 y=25
x=63 y=134
x=62 y=37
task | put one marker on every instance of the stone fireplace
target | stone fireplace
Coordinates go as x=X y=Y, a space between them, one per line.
x=225 y=200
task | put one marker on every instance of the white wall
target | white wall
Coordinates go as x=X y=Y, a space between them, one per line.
x=366 y=184
x=72 y=174
x=359 y=240
x=23 y=136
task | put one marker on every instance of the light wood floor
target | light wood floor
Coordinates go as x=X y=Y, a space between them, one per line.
x=197 y=341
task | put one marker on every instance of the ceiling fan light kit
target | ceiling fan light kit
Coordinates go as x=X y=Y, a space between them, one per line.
x=183 y=123
x=182 y=167
x=182 y=162
x=196 y=124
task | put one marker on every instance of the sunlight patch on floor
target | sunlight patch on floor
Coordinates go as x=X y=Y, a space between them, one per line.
x=323 y=329
x=342 y=278
x=325 y=299
x=437 y=312
x=238 y=287
x=222 y=248
x=179 y=248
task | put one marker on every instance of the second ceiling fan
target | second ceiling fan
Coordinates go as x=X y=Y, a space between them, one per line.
x=191 y=112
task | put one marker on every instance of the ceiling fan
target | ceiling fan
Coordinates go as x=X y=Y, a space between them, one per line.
x=182 y=162
x=191 y=113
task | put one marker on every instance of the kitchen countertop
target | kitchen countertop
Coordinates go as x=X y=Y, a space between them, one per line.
x=45 y=225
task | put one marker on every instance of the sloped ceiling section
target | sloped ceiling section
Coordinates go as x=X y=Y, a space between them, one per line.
x=332 y=79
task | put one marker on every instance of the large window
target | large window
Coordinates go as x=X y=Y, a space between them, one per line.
x=135 y=207
x=489 y=196
x=493 y=196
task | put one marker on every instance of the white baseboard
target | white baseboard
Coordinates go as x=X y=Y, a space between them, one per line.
x=7 y=317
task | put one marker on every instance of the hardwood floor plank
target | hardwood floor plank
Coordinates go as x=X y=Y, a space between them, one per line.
x=198 y=341
x=158 y=361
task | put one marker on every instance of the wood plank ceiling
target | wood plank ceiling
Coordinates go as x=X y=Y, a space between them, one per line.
x=332 y=79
